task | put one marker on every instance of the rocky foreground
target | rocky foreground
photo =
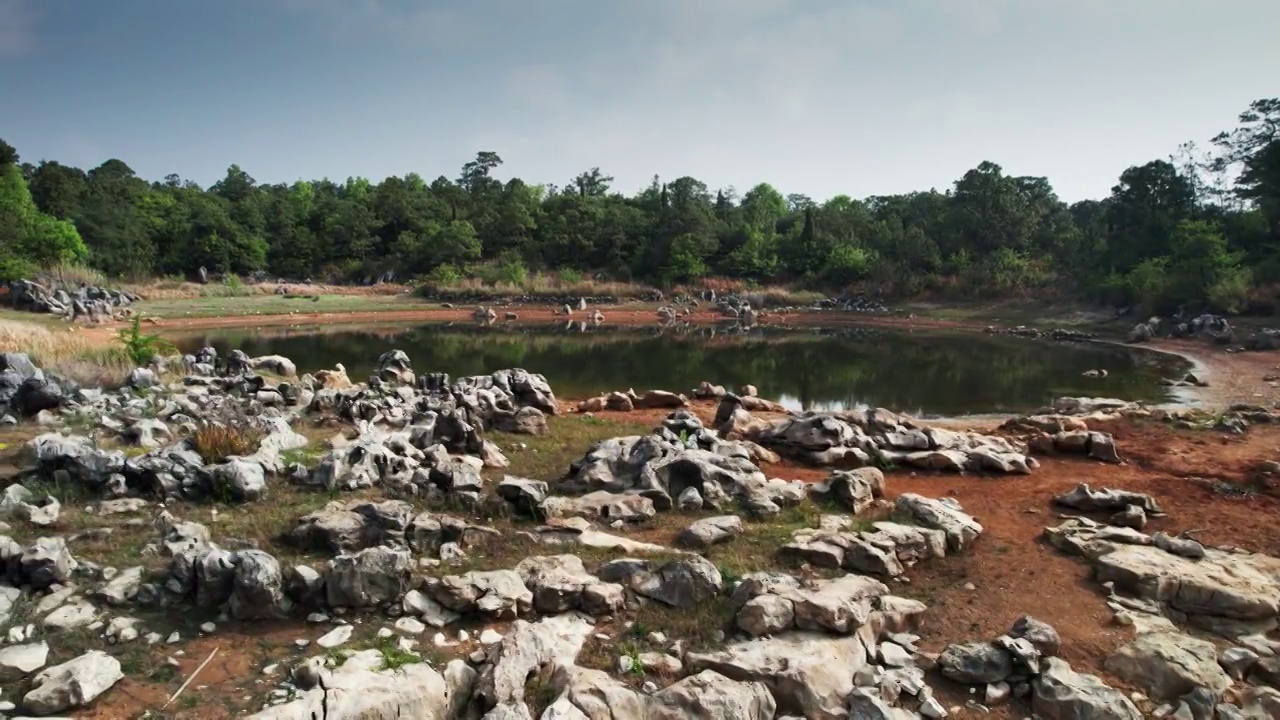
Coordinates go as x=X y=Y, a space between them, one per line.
x=385 y=512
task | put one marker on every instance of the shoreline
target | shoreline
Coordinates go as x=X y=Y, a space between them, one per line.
x=1233 y=377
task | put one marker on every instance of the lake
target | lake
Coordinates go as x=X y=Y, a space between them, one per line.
x=926 y=373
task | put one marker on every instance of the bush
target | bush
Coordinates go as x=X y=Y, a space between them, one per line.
x=215 y=443
x=141 y=347
x=445 y=274
x=568 y=276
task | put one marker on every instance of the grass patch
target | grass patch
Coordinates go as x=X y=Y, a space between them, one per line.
x=270 y=304
x=394 y=657
x=547 y=457
x=215 y=443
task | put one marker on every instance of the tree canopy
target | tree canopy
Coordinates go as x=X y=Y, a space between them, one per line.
x=1173 y=232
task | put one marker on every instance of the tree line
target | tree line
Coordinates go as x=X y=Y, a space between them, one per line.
x=1200 y=230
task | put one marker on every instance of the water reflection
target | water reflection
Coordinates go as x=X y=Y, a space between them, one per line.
x=928 y=373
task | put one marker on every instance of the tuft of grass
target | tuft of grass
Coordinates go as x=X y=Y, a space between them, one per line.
x=394 y=657
x=337 y=656
x=215 y=443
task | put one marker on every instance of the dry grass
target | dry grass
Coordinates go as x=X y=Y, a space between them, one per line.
x=183 y=290
x=216 y=443
x=66 y=351
x=540 y=285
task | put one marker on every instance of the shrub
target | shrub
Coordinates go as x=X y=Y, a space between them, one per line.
x=445 y=274
x=568 y=276
x=216 y=443
x=141 y=347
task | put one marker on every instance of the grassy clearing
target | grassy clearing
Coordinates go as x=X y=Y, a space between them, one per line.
x=64 y=349
x=232 y=286
x=207 y=307
x=547 y=457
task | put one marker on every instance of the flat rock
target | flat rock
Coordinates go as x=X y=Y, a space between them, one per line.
x=711 y=531
x=808 y=674
x=1063 y=694
x=72 y=684
x=1169 y=665
x=19 y=661
x=709 y=695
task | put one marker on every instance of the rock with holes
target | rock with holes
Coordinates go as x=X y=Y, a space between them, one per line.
x=258 y=592
x=852 y=489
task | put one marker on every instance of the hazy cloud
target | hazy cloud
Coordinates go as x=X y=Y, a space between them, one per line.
x=17 y=27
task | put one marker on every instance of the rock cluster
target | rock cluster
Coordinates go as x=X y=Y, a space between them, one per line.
x=681 y=464
x=888 y=548
x=26 y=390
x=93 y=303
x=877 y=436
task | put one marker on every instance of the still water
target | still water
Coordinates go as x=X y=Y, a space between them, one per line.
x=925 y=373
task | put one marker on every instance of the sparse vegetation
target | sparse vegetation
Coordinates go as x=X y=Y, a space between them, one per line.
x=140 y=347
x=215 y=443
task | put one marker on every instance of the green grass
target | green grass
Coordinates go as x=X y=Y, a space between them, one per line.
x=205 y=307
x=547 y=457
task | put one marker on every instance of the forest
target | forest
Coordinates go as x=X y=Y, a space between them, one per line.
x=1199 y=230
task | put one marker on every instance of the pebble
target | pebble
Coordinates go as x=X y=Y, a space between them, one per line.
x=153 y=638
x=478 y=656
x=411 y=626
x=385 y=632
x=7 y=707
x=970 y=586
x=271 y=669
x=208 y=628
x=439 y=640
x=657 y=638
x=317 y=618
x=301 y=642
x=649 y=687
x=173 y=638
x=463 y=636
x=489 y=636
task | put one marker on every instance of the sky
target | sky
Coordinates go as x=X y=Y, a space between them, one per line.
x=821 y=97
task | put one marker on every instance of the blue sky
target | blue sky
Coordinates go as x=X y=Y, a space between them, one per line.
x=815 y=96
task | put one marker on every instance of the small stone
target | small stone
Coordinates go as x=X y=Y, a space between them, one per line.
x=301 y=643
x=208 y=628
x=489 y=636
x=335 y=637
x=625 y=664
x=410 y=625
x=271 y=669
x=657 y=638
x=385 y=633
x=970 y=586
x=317 y=618
x=174 y=638
x=998 y=693
x=463 y=636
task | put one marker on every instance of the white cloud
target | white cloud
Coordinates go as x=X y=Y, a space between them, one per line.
x=17 y=27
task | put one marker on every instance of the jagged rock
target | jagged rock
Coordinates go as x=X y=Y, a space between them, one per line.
x=976 y=663
x=709 y=695
x=19 y=661
x=1237 y=661
x=343 y=527
x=1133 y=517
x=944 y=515
x=123 y=588
x=524 y=421
x=371 y=577
x=240 y=480
x=1063 y=694
x=45 y=562
x=258 y=592
x=594 y=694
x=72 y=684
x=1040 y=634
x=497 y=593
x=19 y=503
x=553 y=642
x=683 y=582
x=711 y=531
x=559 y=583
x=277 y=364
x=1169 y=665
x=807 y=674
x=766 y=614
x=431 y=612
x=525 y=495
x=853 y=489
x=142 y=379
